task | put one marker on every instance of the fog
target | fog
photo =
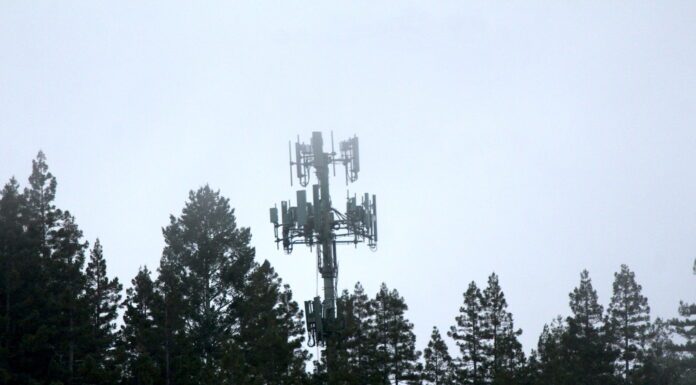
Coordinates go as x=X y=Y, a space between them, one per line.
x=533 y=140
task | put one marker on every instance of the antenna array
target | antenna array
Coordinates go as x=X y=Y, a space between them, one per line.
x=317 y=224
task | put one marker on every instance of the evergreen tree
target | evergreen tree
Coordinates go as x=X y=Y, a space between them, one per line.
x=55 y=238
x=587 y=312
x=41 y=214
x=586 y=342
x=438 y=368
x=629 y=317
x=267 y=346
x=685 y=328
x=103 y=296
x=359 y=336
x=503 y=352
x=396 y=354
x=68 y=317
x=658 y=364
x=140 y=344
x=204 y=266
x=356 y=361
x=42 y=289
x=181 y=360
x=469 y=336
x=344 y=344
x=19 y=300
x=31 y=337
x=549 y=364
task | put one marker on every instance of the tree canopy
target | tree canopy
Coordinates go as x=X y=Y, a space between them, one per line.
x=212 y=313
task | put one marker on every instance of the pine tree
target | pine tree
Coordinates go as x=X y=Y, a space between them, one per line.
x=587 y=312
x=629 y=317
x=56 y=239
x=66 y=283
x=41 y=214
x=140 y=344
x=685 y=328
x=29 y=336
x=343 y=348
x=438 y=369
x=550 y=362
x=347 y=327
x=586 y=342
x=503 y=352
x=359 y=336
x=469 y=336
x=210 y=258
x=103 y=297
x=18 y=317
x=356 y=361
x=270 y=331
x=181 y=360
x=396 y=354
x=658 y=364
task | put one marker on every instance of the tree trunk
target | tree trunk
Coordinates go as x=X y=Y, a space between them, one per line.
x=7 y=310
x=166 y=343
x=71 y=349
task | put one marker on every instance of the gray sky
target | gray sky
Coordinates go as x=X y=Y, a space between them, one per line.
x=533 y=140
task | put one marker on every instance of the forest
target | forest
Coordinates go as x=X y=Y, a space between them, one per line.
x=212 y=312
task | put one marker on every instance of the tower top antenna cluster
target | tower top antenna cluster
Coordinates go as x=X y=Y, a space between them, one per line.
x=306 y=157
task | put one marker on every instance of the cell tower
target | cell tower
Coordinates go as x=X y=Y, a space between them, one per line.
x=318 y=225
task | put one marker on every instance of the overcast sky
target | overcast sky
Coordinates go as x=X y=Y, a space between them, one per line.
x=533 y=140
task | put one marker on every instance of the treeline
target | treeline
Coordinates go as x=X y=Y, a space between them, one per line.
x=619 y=345
x=211 y=314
